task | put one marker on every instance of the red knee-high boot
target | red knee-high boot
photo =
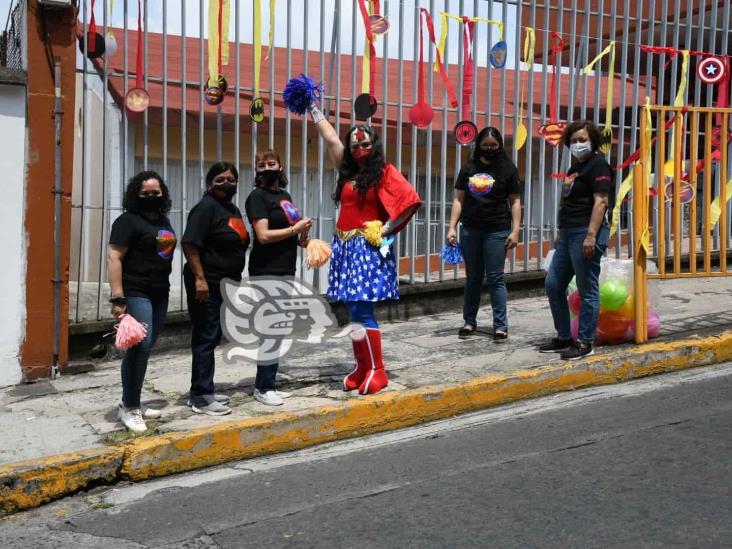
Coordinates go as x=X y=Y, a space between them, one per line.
x=376 y=378
x=359 y=340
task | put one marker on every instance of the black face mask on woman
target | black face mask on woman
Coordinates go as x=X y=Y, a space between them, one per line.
x=491 y=154
x=226 y=189
x=151 y=203
x=269 y=177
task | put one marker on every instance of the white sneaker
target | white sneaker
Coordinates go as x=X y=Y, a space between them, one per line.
x=132 y=419
x=270 y=398
x=151 y=413
x=283 y=394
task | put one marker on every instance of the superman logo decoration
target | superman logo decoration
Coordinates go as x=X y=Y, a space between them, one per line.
x=481 y=184
x=256 y=110
x=292 y=214
x=236 y=224
x=498 y=54
x=552 y=132
x=215 y=94
x=166 y=242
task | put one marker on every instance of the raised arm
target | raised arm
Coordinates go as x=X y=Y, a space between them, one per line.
x=329 y=135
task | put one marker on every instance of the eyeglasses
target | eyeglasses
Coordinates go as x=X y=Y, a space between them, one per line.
x=361 y=146
x=224 y=180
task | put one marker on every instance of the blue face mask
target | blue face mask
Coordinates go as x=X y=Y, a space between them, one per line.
x=580 y=150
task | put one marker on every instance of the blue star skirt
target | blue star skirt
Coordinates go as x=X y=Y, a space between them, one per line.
x=358 y=272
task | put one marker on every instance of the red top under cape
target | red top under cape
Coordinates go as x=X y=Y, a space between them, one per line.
x=394 y=196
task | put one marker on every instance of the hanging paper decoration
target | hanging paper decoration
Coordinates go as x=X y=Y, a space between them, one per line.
x=465 y=131
x=137 y=99
x=272 y=8
x=711 y=70
x=444 y=18
x=552 y=131
x=607 y=131
x=421 y=114
x=256 y=109
x=521 y=131
x=218 y=50
x=366 y=105
x=96 y=45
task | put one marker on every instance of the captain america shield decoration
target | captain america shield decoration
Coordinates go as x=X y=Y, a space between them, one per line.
x=711 y=70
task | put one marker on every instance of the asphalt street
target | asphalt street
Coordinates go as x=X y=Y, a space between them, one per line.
x=640 y=464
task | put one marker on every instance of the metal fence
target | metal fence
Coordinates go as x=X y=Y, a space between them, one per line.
x=179 y=135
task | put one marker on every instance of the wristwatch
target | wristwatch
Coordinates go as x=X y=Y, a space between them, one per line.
x=119 y=300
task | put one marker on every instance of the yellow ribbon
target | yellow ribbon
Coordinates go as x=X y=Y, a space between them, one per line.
x=645 y=239
x=715 y=210
x=257 y=45
x=366 y=65
x=679 y=101
x=529 y=46
x=272 y=7
x=623 y=191
x=444 y=20
x=111 y=13
x=610 y=81
x=213 y=38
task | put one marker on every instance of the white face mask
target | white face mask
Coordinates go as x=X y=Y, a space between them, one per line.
x=580 y=150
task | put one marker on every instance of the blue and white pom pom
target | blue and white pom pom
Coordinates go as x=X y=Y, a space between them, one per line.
x=452 y=254
x=300 y=92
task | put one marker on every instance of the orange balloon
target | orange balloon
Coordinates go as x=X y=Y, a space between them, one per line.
x=612 y=327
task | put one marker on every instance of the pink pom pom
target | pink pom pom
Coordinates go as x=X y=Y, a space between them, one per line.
x=130 y=332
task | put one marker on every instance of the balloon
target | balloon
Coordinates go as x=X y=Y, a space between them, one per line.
x=654 y=325
x=572 y=285
x=574 y=302
x=574 y=327
x=628 y=308
x=613 y=294
x=611 y=327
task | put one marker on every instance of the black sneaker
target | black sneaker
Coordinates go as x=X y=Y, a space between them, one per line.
x=555 y=345
x=579 y=350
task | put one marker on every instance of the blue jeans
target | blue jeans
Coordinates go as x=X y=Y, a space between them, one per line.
x=569 y=260
x=362 y=312
x=485 y=256
x=134 y=364
x=205 y=336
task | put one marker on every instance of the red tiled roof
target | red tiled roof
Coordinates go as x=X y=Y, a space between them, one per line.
x=407 y=69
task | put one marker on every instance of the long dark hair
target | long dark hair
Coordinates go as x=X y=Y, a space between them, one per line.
x=502 y=165
x=349 y=170
x=218 y=168
x=267 y=155
x=131 y=200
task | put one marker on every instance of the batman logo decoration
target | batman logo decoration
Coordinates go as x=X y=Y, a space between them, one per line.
x=256 y=110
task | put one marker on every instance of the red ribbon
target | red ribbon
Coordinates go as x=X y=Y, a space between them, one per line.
x=420 y=82
x=138 y=68
x=468 y=37
x=91 y=36
x=443 y=73
x=556 y=51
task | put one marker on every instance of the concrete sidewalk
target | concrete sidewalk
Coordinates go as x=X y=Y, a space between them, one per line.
x=77 y=413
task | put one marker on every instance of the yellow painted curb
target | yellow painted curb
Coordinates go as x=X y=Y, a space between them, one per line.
x=184 y=451
x=28 y=484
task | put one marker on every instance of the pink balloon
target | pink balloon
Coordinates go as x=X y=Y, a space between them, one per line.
x=574 y=302
x=574 y=327
x=654 y=325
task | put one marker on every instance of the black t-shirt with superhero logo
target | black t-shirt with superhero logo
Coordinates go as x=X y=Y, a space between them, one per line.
x=487 y=187
x=582 y=181
x=217 y=229
x=150 y=246
x=277 y=258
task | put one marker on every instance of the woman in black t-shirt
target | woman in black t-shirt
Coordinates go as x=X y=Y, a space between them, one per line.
x=488 y=205
x=278 y=229
x=587 y=196
x=215 y=244
x=139 y=258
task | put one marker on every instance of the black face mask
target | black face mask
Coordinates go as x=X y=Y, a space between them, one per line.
x=491 y=154
x=226 y=189
x=151 y=204
x=269 y=177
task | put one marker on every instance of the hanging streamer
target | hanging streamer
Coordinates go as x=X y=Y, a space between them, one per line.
x=272 y=7
x=529 y=45
x=623 y=191
x=439 y=65
x=444 y=19
x=421 y=114
x=552 y=132
x=365 y=105
x=607 y=131
x=137 y=99
x=715 y=211
x=218 y=50
x=256 y=109
x=465 y=130
x=645 y=237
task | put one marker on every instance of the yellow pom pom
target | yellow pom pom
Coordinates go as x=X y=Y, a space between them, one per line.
x=372 y=233
x=317 y=253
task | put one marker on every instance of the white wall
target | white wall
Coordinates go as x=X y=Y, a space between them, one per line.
x=12 y=208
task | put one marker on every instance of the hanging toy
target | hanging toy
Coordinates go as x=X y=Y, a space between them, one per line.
x=215 y=94
x=498 y=54
x=711 y=70
x=318 y=253
x=130 y=332
x=218 y=51
x=137 y=98
x=96 y=44
x=421 y=114
x=466 y=131
x=301 y=92
x=521 y=132
x=452 y=254
x=552 y=131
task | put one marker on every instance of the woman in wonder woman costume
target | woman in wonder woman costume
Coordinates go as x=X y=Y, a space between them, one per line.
x=375 y=202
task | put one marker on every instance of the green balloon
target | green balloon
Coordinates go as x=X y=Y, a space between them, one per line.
x=572 y=285
x=613 y=294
